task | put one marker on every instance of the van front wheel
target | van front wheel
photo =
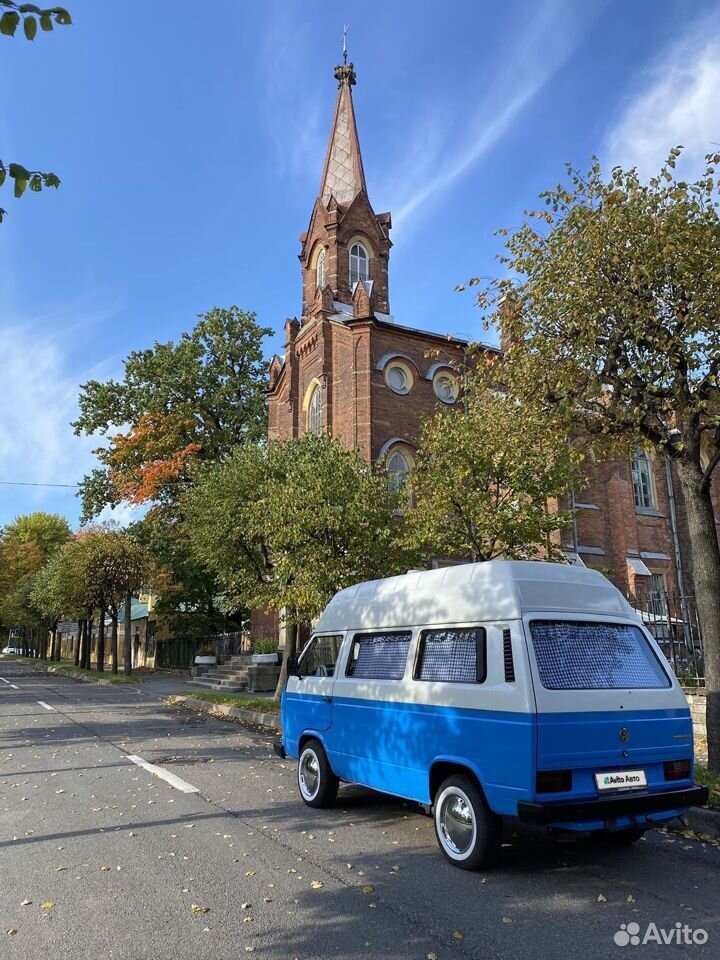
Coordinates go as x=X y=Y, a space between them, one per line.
x=317 y=784
x=468 y=832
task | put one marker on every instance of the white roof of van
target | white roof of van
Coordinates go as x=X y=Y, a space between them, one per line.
x=496 y=590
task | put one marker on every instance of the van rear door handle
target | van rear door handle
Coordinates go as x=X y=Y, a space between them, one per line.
x=327 y=699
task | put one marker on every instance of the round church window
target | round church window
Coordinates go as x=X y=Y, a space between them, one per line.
x=446 y=387
x=398 y=378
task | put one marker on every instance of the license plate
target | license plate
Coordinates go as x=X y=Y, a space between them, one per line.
x=620 y=780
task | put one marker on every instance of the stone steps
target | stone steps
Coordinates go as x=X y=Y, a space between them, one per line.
x=219 y=686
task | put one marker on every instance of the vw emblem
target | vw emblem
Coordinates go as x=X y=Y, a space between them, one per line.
x=624 y=734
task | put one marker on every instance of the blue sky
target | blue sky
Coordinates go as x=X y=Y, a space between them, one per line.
x=190 y=140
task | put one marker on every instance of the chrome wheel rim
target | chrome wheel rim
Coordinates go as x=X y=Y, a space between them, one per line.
x=456 y=824
x=309 y=774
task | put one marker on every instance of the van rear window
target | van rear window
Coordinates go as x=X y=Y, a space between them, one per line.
x=594 y=656
x=378 y=656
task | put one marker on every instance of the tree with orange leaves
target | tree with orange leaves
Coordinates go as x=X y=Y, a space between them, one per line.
x=176 y=404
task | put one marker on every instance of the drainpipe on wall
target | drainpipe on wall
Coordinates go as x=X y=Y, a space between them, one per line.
x=687 y=632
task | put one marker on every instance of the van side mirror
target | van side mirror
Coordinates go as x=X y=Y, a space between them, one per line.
x=293 y=667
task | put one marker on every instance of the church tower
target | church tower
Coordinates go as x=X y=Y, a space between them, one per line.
x=349 y=370
x=346 y=241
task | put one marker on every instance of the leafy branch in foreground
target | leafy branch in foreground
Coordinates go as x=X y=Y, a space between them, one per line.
x=31 y=16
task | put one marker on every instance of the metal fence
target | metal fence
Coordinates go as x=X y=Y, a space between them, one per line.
x=672 y=620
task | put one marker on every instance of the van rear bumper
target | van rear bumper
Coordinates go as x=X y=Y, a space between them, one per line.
x=279 y=749
x=607 y=808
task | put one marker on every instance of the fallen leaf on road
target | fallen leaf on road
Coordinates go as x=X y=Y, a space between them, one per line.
x=11 y=932
x=249 y=873
x=48 y=905
x=25 y=903
x=368 y=889
x=245 y=906
x=316 y=884
x=630 y=898
x=104 y=868
x=457 y=935
x=601 y=898
x=267 y=899
x=507 y=919
x=247 y=919
x=198 y=908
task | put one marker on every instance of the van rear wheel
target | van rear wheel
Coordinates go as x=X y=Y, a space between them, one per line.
x=317 y=784
x=467 y=831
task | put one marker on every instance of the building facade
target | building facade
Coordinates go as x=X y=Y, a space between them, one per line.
x=350 y=369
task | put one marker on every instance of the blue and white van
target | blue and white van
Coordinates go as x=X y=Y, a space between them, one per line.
x=507 y=689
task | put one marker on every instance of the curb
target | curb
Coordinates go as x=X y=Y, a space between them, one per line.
x=81 y=678
x=703 y=820
x=220 y=710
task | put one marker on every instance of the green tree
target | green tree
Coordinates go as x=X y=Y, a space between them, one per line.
x=31 y=17
x=188 y=594
x=613 y=319
x=26 y=545
x=116 y=565
x=48 y=531
x=177 y=403
x=485 y=475
x=286 y=525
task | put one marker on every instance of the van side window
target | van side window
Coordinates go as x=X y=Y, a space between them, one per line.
x=456 y=655
x=320 y=657
x=378 y=656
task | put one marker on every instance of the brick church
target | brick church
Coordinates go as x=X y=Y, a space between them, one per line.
x=352 y=370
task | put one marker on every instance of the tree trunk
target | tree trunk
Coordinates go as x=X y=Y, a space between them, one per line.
x=78 y=638
x=100 y=653
x=705 y=552
x=291 y=635
x=114 y=641
x=127 y=637
x=87 y=649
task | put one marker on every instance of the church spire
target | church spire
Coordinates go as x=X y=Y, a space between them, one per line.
x=343 y=175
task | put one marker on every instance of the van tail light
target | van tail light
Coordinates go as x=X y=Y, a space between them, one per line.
x=677 y=769
x=553 y=781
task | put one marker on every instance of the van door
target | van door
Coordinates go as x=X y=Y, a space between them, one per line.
x=308 y=698
x=607 y=703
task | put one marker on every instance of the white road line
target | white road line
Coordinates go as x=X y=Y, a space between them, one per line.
x=165 y=775
x=46 y=705
x=13 y=686
x=4 y=680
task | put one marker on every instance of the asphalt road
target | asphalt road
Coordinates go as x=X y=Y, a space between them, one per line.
x=101 y=859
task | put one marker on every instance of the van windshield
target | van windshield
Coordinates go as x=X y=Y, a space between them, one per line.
x=575 y=655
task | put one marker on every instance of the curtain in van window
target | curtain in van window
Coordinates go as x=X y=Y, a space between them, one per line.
x=450 y=655
x=594 y=656
x=379 y=656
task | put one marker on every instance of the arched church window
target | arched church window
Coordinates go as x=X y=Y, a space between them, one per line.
x=320 y=271
x=398 y=470
x=358 y=263
x=314 y=415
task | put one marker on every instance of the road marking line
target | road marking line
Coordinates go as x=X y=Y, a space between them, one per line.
x=170 y=778
x=46 y=705
x=13 y=686
x=4 y=680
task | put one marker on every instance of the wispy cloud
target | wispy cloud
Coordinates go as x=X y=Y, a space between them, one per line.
x=39 y=401
x=676 y=102
x=297 y=124
x=463 y=135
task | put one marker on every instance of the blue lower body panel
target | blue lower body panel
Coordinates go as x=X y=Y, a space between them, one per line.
x=392 y=747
